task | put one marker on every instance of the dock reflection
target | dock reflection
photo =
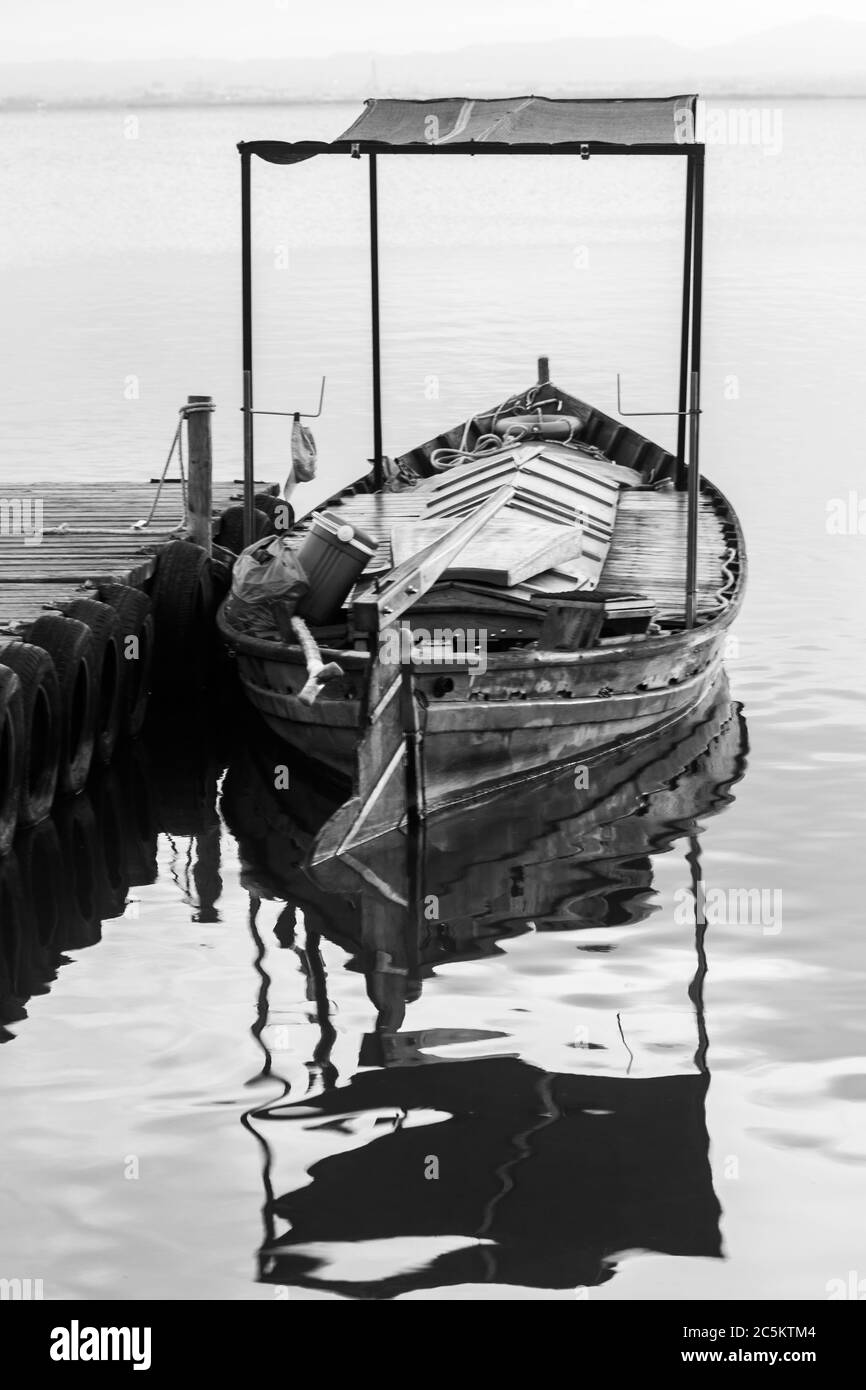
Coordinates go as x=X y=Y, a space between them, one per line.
x=542 y=1176
x=67 y=876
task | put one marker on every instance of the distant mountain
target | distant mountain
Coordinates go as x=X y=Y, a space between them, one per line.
x=817 y=57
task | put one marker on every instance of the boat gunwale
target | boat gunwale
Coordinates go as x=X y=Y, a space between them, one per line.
x=649 y=646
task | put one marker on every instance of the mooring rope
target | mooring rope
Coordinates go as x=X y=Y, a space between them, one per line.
x=184 y=413
x=443 y=459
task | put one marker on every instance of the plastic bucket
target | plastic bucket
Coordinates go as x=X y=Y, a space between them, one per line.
x=333 y=555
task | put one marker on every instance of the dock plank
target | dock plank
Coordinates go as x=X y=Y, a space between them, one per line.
x=98 y=542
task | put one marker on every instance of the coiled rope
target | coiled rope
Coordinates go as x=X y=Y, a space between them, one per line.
x=487 y=443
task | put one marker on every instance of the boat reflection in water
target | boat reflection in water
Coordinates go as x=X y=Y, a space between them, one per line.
x=488 y=1167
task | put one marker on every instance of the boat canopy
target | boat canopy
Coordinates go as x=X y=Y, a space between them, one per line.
x=496 y=126
x=530 y=125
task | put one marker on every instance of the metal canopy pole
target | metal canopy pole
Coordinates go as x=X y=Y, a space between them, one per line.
x=247 y=315
x=378 y=472
x=694 y=473
x=684 y=327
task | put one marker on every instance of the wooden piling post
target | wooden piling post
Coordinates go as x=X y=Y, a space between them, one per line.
x=543 y=371
x=200 y=472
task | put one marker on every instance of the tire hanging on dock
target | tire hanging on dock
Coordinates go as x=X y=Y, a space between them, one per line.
x=43 y=716
x=107 y=675
x=11 y=755
x=69 y=643
x=183 y=612
x=230 y=532
x=280 y=513
x=136 y=636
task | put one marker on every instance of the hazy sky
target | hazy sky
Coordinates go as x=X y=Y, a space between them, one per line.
x=105 y=29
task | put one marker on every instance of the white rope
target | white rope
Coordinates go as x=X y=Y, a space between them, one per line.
x=442 y=459
x=184 y=413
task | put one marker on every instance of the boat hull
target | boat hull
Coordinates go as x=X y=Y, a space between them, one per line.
x=522 y=714
x=391 y=727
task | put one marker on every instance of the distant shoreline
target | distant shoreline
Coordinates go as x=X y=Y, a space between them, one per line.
x=38 y=104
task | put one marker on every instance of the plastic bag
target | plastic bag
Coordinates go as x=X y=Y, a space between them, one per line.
x=268 y=580
x=303 y=468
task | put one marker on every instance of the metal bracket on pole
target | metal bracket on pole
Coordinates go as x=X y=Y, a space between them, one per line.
x=295 y=414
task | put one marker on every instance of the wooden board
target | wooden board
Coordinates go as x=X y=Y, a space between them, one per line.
x=553 y=485
x=507 y=551
x=647 y=552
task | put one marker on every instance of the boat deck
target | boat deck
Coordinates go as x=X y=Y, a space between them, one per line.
x=647 y=553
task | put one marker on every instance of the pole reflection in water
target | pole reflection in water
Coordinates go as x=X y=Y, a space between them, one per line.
x=459 y=1154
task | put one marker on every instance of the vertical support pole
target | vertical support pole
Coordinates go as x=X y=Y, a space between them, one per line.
x=378 y=472
x=247 y=315
x=685 y=325
x=692 y=505
x=543 y=371
x=694 y=475
x=698 y=258
x=200 y=496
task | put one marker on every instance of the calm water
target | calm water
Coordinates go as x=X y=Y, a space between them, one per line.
x=194 y=1098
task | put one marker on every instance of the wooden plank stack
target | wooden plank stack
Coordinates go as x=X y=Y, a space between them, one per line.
x=647 y=553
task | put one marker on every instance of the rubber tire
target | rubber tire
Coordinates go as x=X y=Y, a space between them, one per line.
x=135 y=619
x=231 y=528
x=43 y=716
x=11 y=755
x=280 y=513
x=69 y=643
x=183 y=612
x=107 y=672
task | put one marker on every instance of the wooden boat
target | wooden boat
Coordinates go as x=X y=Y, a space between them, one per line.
x=549 y=501
x=532 y=703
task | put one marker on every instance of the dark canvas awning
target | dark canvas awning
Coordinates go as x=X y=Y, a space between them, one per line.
x=525 y=121
x=530 y=125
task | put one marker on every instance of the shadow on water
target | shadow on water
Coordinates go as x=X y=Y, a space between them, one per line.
x=541 y=1177
x=80 y=868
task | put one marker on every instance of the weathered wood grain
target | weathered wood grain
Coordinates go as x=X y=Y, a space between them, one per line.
x=88 y=537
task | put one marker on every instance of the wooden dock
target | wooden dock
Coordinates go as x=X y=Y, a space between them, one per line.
x=85 y=636
x=88 y=538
